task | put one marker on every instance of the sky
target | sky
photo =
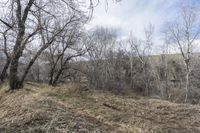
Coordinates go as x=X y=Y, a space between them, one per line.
x=134 y=15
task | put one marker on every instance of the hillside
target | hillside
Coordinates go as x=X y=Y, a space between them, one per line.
x=75 y=108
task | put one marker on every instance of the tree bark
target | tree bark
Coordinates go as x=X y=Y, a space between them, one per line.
x=55 y=80
x=17 y=52
x=19 y=46
x=187 y=83
x=4 y=71
x=13 y=78
x=51 y=77
x=31 y=63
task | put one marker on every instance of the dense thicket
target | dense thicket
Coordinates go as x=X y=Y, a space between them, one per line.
x=46 y=42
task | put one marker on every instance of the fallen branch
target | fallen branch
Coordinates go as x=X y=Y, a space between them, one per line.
x=111 y=106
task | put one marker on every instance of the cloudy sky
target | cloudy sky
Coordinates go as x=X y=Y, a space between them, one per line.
x=133 y=15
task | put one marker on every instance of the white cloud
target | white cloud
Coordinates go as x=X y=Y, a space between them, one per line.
x=134 y=15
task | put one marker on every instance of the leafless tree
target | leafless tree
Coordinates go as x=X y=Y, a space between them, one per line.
x=103 y=40
x=72 y=45
x=163 y=70
x=6 y=53
x=183 y=33
x=36 y=22
x=141 y=48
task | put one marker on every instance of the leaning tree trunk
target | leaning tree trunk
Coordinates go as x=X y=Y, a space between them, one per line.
x=4 y=72
x=26 y=72
x=55 y=80
x=30 y=64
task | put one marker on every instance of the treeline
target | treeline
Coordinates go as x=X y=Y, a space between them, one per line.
x=46 y=42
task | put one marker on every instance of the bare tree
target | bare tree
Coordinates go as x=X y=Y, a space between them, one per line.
x=183 y=33
x=163 y=70
x=142 y=49
x=72 y=45
x=103 y=41
x=37 y=22
x=6 y=53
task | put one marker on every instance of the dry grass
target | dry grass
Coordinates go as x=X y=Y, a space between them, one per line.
x=76 y=108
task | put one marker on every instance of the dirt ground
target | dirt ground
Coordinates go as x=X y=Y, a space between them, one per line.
x=77 y=109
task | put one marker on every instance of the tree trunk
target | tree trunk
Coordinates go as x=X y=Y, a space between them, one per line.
x=4 y=72
x=17 y=52
x=51 y=75
x=131 y=71
x=55 y=80
x=13 y=78
x=38 y=73
x=187 y=86
x=14 y=81
x=19 y=45
x=51 y=80
x=26 y=72
x=31 y=63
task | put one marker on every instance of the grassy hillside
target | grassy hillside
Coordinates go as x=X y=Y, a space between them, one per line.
x=76 y=108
